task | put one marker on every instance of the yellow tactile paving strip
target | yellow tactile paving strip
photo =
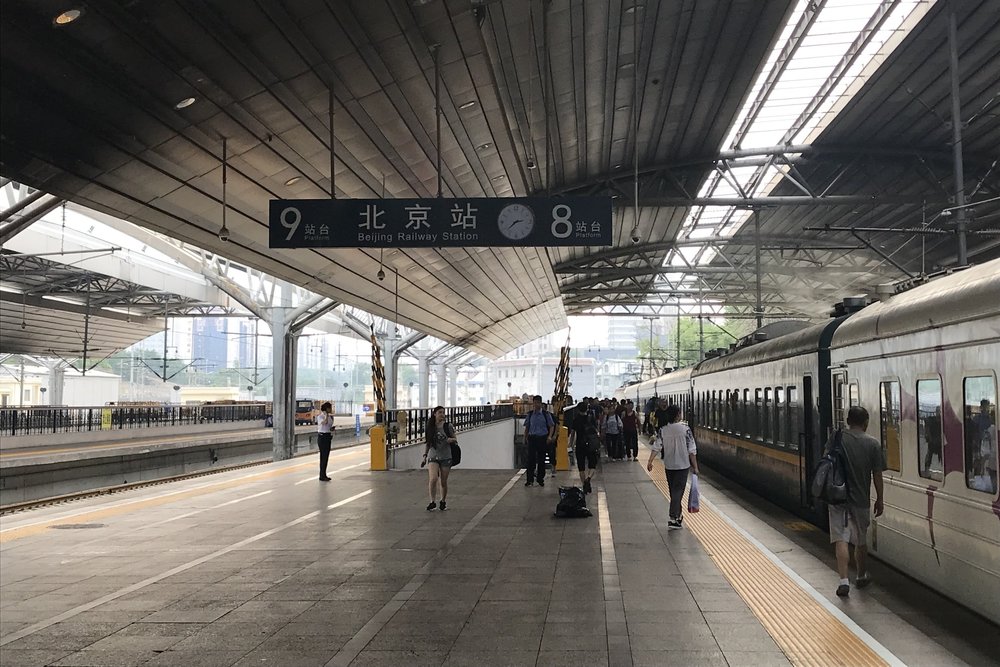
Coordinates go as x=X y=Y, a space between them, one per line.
x=9 y=534
x=806 y=632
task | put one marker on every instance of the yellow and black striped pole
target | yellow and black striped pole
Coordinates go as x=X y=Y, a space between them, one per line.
x=559 y=396
x=379 y=450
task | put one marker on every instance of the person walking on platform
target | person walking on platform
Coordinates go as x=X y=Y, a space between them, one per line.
x=586 y=444
x=680 y=454
x=849 y=522
x=439 y=437
x=324 y=428
x=539 y=431
x=630 y=432
x=612 y=427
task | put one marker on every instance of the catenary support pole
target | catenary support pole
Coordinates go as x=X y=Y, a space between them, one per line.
x=756 y=243
x=956 y=135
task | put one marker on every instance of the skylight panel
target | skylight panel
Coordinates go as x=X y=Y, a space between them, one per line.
x=816 y=82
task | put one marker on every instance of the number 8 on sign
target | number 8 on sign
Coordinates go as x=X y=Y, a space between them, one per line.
x=290 y=219
x=561 y=225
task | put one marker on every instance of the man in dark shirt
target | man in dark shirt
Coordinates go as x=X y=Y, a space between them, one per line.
x=584 y=440
x=849 y=522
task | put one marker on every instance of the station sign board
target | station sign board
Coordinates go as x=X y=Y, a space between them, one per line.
x=440 y=222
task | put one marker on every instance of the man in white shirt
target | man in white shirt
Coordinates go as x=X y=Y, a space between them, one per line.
x=679 y=455
x=324 y=428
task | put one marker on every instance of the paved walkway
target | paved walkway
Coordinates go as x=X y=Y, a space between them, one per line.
x=274 y=567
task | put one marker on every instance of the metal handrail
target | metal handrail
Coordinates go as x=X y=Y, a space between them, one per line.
x=408 y=426
x=49 y=419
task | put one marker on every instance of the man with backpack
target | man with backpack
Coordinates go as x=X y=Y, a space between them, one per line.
x=539 y=431
x=611 y=426
x=863 y=461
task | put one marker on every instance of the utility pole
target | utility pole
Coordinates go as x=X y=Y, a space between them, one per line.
x=956 y=135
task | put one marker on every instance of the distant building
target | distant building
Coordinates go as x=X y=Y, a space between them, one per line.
x=94 y=388
x=208 y=343
x=622 y=334
x=516 y=376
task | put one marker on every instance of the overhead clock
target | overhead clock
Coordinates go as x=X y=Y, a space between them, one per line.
x=516 y=221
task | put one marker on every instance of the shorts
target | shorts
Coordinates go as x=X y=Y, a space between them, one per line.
x=444 y=463
x=587 y=458
x=849 y=524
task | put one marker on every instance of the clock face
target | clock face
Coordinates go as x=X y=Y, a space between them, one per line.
x=516 y=221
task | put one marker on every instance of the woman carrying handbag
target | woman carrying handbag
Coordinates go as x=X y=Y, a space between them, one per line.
x=440 y=436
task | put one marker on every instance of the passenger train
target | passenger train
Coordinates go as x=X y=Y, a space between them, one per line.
x=924 y=363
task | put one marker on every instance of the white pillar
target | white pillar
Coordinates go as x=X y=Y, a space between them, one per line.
x=57 y=382
x=453 y=385
x=442 y=383
x=283 y=356
x=424 y=380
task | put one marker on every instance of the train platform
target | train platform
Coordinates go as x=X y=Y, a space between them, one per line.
x=272 y=566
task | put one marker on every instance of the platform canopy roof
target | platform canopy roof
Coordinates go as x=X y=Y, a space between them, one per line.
x=125 y=109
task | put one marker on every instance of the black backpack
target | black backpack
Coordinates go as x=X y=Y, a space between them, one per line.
x=572 y=502
x=830 y=481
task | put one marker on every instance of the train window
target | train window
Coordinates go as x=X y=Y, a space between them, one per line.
x=854 y=394
x=889 y=418
x=780 y=416
x=736 y=411
x=766 y=416
x=980 y=398
x=791 y=424
x=757 y=401
x=929 y=434
x=745 y=412
x=727 y=411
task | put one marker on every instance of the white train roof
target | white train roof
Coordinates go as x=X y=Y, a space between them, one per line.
x=963 y=296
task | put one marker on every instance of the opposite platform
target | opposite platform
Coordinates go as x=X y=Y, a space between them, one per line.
x=275 y=567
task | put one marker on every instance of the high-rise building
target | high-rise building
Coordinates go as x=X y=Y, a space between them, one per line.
x=622 y=333
x=208 y=343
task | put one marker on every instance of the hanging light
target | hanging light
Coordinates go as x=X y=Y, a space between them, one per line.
x=224 y=231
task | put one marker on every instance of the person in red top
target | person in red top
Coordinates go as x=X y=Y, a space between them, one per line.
x=630 y=428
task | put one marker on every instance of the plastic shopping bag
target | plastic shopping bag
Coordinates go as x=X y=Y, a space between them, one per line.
x=693 y=495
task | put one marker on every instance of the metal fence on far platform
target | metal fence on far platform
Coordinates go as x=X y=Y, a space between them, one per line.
x=407 y=427
x=40 y=420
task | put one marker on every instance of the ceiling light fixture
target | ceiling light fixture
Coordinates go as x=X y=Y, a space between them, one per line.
x=483 y=147
x=224 y=231
x=467 y=105
x=633 y=9
x=499 y=178
x=68 y=16
x=626 y=66
x=293 y=180
x=185 y=103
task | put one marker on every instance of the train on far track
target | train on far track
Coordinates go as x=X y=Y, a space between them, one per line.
x=924 y=363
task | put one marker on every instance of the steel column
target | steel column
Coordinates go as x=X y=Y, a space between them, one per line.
x=956 y=135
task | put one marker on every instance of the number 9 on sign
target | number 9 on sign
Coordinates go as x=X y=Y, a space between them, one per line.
x=290 y=219
x=561 y=225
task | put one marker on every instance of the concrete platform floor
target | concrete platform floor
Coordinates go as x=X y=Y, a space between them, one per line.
x=273 y=567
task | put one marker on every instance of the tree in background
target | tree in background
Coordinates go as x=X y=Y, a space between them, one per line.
x=715 y=335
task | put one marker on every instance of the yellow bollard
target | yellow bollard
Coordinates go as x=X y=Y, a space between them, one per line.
x=377 y=434
x=562 y=449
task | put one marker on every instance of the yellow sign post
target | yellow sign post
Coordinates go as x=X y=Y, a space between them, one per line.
x=105 y=419
x=562 y=448
x=377 y=434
